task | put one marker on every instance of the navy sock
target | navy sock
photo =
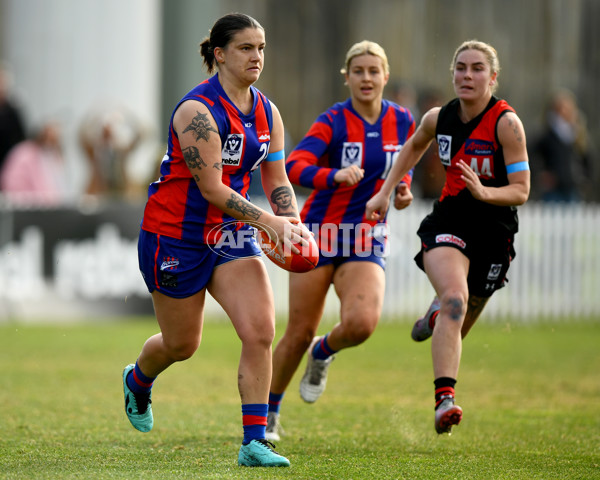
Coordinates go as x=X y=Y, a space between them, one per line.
x=322 y=350
x=254 y=420
x=275 y=401
x=138 y=382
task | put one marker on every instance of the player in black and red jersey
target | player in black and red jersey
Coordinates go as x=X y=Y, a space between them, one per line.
x=467 y=240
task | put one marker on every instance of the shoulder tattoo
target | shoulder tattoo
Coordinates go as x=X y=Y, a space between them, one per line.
x=513 y=125
x=200 y=126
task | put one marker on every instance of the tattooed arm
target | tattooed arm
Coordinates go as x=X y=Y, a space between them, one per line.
x=278 y=189
x=409 y=156
x=276 y=184
x=201 y=148
x=512 y=138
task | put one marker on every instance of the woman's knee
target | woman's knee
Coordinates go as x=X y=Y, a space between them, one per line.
x=300 y=338
x=258 y=334
x=183 y=349
x=359 y=327
x=454 y=305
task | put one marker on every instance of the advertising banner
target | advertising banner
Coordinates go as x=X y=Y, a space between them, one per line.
x=71 y=262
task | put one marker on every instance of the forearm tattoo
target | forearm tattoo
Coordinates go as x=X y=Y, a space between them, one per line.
x=200 y=126
x=283 y=198
x=239 y=204
x=218 y=165
x=192 y=158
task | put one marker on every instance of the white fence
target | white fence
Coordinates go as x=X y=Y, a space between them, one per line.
x=74 y=263
x=555 y=274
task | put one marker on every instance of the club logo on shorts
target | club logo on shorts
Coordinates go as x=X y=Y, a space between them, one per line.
x=169 y=263
x=494 y=272
x=232 y=149
x=444 y=148
x=352 y=154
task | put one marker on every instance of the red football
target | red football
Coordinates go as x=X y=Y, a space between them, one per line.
x=301 y=262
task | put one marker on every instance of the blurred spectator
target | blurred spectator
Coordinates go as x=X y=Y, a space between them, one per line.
x=34 y=171
x=429 y=176
x=12 y=130
x=562 y=155
x=405 y=95
x=108 y=138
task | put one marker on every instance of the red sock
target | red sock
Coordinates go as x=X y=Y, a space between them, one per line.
x=442 y=394
x=444 y=388
x=432 y=319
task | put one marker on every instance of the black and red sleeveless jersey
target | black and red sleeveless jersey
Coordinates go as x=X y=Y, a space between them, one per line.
x=476 y=143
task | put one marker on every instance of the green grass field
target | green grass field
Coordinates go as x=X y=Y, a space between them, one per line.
x=530 y=394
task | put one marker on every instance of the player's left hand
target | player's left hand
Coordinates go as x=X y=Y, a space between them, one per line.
x=377 y=206
x=472 y=181
x=403 y=197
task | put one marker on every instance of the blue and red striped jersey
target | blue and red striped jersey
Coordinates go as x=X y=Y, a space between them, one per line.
x=340 y=138
x=175 y=206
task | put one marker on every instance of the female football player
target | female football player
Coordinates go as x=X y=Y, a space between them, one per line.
x=345 y=157
x=467 y=241
x=220 y=132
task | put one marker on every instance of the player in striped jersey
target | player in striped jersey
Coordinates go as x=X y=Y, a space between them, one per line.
x=197 y=230
x=468 y=239
x=345 y=158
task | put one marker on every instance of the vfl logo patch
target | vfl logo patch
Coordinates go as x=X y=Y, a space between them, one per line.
x=232 y=149
x=494 y=272
x=449 y=238
x=352 y=154
x=444 y=148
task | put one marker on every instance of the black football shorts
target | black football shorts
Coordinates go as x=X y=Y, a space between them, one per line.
x=489 y=251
